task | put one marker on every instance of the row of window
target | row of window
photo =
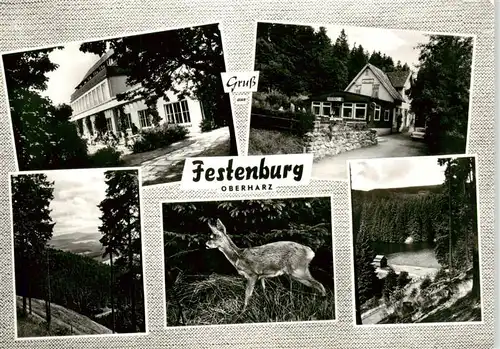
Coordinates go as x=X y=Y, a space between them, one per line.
x=176 y=113
x=347 y=110
x=90 y=99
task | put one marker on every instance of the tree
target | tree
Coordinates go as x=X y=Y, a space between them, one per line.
x=44 y=137
x=460 y=181
x=358 y=59
x=33 y=226
x=440 y=93
x=296 y=60
x=121 y=230
x=159 y=61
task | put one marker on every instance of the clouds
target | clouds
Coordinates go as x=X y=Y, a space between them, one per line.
x=73 y=64
x=76 y=196
x=395 y=173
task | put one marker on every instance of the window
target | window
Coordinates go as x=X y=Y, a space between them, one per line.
x=347 y=110
x=144 y=118
x=322 y=108
x=177 y=112
x=376 y=115
x=185 y=111
x=128 y=120
x=360 y=111
x=109 y=124
x=375 y=90
x=316 y=108
x=386 y=115
x=357 y=89
x=327 y=109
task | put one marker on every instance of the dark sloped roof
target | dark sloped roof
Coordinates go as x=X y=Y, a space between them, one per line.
x=96 y=65
x=398 y=78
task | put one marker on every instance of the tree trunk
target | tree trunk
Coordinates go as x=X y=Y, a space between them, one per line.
x=466 y=230
x=132 y=280
x=111 y=294
x=476 y=290
x=449 y=227
x=356 y=280
x=47 y=302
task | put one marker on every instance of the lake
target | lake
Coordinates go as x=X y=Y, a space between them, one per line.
x=418 y=254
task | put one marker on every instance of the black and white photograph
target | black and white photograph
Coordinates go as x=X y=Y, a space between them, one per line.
x=146 y=100
x=416 y=240
x=248 y=261
x=347 y=93
x=77 y=253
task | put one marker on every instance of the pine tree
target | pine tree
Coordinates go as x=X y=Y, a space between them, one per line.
x=121 y=230
x=33 y=226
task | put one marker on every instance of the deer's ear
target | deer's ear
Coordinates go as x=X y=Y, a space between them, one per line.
x=221 y=226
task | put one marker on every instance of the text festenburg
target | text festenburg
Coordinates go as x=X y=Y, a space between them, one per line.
x=246 y=173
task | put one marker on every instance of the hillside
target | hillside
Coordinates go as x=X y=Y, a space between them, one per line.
x=390 y=192
x=64 y=321
x=442 y=300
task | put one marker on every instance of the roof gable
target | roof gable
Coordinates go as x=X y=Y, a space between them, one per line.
x=381 y=77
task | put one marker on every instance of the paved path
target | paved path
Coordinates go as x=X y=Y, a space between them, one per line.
x=395 y=145
x=168 y=166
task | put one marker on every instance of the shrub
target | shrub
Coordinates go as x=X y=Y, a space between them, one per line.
x=208 y=125
x=106 y=157
x=425 y=283
x=403 y=279
x=159 y=137
x=441 y=273
x=278 y=100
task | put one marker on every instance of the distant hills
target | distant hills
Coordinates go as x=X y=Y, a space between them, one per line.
x=86 y=244
x=417 y=190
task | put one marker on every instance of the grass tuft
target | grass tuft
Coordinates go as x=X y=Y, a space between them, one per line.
x=218 y=299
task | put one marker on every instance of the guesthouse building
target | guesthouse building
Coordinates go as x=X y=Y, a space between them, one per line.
x=97 y=94
x=373 y=97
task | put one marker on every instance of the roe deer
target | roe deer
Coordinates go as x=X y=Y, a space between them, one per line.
x=266 y=261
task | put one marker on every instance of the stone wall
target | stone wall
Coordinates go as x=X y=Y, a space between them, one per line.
x=335 y=137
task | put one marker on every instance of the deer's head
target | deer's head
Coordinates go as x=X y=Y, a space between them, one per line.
x=218 y=235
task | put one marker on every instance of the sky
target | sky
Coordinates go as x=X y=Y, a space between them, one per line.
x=73 y=64
x=76 y=196
x=396 y=173
x=399 y=44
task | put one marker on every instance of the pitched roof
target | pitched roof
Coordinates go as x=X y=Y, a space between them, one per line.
x=398 y=78
x=384 y=80
x=382 y=77
x=97 y=64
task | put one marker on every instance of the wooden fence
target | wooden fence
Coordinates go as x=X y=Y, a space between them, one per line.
x=273 y=122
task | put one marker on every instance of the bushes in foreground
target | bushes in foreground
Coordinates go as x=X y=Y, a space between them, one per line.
x=158 y=137
x=298 y=123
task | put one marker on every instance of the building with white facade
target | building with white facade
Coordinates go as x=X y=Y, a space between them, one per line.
x=97 y=93
x=373 y=97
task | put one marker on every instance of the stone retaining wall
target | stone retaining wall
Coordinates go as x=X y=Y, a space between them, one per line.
x=334 y=137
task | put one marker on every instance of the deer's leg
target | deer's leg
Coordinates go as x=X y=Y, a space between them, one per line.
x=248 y=293
x=263 y=284
x=305 y=277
